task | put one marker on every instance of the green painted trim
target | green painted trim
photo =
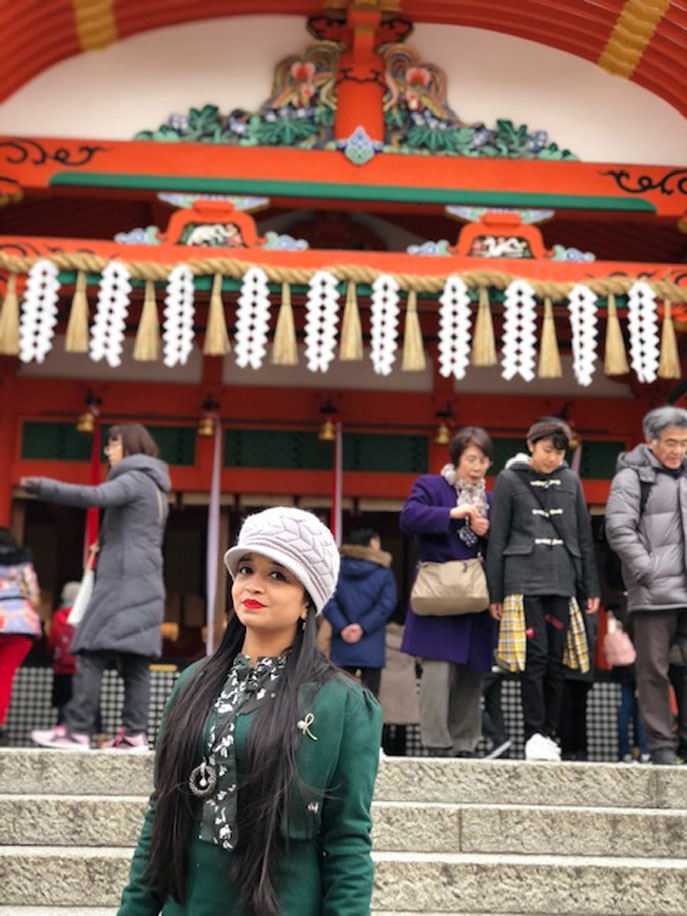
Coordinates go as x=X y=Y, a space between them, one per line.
x=333 y=190
x=204 y=283
x=229 y=285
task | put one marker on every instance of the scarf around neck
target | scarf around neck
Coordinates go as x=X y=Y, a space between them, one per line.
x=467 y=494
x=246 y=688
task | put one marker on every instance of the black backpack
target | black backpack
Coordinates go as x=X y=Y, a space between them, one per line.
x=611 y=566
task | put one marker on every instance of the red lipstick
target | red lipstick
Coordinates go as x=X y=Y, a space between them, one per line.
x=252 y=604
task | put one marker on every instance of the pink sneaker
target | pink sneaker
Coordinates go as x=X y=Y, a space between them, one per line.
x=61 y=739
x=131 y=744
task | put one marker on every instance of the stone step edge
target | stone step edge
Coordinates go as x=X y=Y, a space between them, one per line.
x=112 y=911
x=419 y=806
x=385 y=762
x=30 y=910
x=447 y=858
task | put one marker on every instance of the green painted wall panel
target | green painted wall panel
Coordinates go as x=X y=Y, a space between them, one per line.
x=62 y=442
x=55 y=442
x=177 y=444
x=597 y=462
x=301 y=450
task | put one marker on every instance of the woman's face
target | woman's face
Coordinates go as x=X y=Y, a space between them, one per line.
x=545 y=456
x=267 y=597
x=114 y=450
x=472 y=465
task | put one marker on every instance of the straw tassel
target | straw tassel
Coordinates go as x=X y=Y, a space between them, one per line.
x=9 y=319
x=216 y=335
x=76 y=340
x=413 y=349
x=351 y=348
x=549 y=357
x=147 y=345
x=284 y=348
x=669 y=365
x=615 y=358
x=483 y=343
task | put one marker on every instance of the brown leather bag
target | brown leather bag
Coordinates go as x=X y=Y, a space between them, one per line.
x=454 y=587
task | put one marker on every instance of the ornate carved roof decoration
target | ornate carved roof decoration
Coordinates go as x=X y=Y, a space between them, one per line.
x=406 y=110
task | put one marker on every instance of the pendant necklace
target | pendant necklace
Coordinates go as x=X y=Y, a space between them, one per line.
x=203 y=780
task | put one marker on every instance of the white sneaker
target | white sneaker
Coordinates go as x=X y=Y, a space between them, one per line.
x=555 y=746
x=539 y=747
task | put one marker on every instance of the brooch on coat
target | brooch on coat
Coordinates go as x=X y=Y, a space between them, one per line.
x=304 y=725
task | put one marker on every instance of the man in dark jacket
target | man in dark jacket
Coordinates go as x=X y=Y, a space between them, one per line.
x=364 y=600
x=646 y=525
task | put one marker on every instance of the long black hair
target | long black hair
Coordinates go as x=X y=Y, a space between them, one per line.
x=271 y=750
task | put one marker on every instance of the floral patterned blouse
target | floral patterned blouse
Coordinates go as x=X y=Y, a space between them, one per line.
x=19 y=598
x=246 y=688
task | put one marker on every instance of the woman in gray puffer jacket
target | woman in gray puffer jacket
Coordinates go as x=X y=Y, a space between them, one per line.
x=122 y=620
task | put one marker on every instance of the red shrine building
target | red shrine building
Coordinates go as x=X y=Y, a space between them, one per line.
x=277 y=220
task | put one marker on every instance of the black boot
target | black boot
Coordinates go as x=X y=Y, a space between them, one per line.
x=440 y=751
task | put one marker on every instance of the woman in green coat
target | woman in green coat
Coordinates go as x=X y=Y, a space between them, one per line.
x=267 y=756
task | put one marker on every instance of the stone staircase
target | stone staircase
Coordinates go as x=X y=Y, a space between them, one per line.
x=463 y=837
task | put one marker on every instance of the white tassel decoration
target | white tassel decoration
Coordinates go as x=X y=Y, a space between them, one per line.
x=39 y=312
x=454 y=328
x=179 y=312
x=519 y=331
x=107 y=331
x=583 y=323
x=642 y=323
x=252 y=319
x=321 y=317
x=384 y=312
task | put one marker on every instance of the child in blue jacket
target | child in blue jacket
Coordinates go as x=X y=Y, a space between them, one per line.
x=364 y=600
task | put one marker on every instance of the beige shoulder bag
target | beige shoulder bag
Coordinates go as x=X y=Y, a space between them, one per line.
x=454 y=587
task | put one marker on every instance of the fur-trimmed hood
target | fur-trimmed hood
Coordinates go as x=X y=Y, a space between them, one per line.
x=521 y=462
x=356 y=552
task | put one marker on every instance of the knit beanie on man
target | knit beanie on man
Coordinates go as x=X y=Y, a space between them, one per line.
x=297 y=540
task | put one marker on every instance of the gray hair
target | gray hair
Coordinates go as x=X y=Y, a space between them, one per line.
x=660 y=418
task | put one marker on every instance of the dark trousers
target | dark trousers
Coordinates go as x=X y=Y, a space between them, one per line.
x=493 y=723
x=628 y=712
x=654 y=634
x=572 y=727
x=677 y=674
x=546 y=623
x=62 y=685
x=394 y=740
x=371 y=677
x=82 y=708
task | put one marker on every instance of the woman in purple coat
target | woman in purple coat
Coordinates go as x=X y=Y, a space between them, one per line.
x=449 y=514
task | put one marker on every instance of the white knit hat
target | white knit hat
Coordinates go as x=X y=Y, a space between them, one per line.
x=297 y=540
x=69 y=592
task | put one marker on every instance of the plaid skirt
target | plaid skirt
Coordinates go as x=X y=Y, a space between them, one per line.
x=511 y=652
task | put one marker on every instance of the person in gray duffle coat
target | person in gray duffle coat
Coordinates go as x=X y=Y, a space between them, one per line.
x=122 y=620
x=646 y=525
